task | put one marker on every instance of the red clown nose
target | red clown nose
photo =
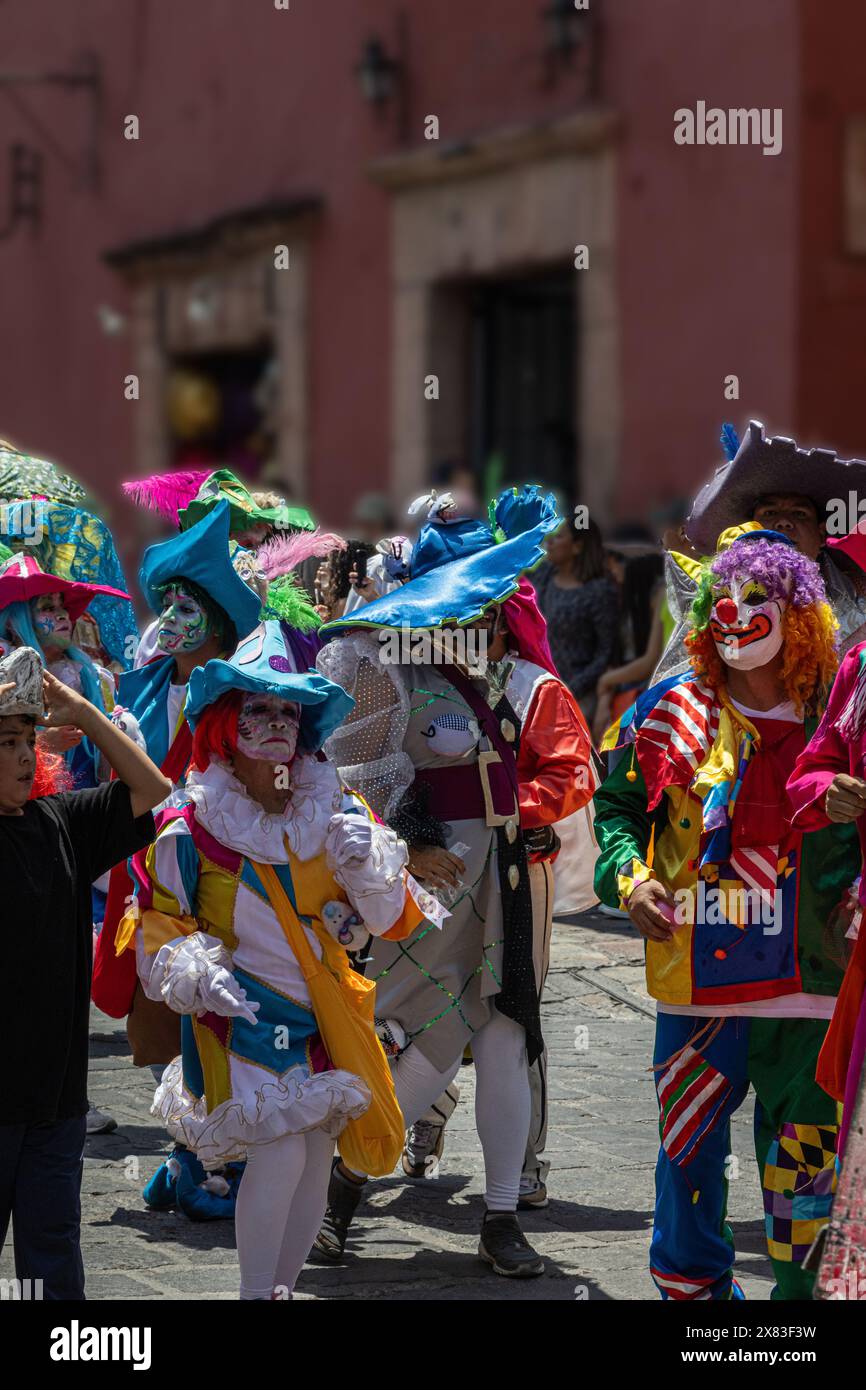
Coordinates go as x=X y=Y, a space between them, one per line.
x=726 y=610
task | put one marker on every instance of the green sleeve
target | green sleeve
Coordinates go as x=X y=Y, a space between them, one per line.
x=623 y=826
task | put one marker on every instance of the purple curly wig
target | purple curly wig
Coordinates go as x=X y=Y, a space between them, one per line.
x=784 y=572
x=808 y=626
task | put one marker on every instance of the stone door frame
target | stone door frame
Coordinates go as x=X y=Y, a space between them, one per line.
x=512 y=202
x=232 y=260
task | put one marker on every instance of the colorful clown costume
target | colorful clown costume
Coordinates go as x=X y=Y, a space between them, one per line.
x=696 y=800
x=434 y=747
x=260 y=881
x=203 y=906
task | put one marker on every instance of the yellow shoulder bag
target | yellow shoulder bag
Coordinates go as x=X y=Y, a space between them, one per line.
x=343 y=1004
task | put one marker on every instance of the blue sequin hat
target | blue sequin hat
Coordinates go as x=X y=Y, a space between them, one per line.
x=460 y=568
x=261 y=664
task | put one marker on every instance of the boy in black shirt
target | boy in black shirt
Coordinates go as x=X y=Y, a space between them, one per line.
x=51 y=849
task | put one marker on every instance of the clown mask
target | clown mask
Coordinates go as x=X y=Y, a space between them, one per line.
x=51 y=620
x=268 y=728
x=745 y=623
x=184 y=626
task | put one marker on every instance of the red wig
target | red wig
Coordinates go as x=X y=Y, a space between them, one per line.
x=216 y=733
x=51 y=776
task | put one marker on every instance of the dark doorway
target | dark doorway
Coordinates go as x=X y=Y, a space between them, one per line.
x=219 y=410
x=523 y=404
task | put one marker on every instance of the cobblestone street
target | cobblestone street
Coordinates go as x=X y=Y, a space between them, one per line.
x=419 y=1240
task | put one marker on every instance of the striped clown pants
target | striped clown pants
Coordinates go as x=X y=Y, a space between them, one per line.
x=703 y=1069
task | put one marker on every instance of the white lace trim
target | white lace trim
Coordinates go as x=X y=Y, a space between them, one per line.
x=292 y=1104
x=228 y=812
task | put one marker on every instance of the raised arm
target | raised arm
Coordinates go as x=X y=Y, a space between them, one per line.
x=63 y=706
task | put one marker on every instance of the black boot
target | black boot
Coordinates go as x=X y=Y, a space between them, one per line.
x=343 y=1198
x=504 y=1246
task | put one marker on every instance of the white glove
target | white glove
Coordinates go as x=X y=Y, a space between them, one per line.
x=221 y=994
x=367 y=860
x=193 y=975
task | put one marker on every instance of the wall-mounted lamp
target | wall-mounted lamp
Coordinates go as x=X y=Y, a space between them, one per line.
x=112 y=323
x=378 y=73
x=383 y=78
x=573 y=30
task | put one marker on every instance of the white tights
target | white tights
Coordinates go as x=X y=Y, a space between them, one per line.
x=502 y=1101
x=281 y=1202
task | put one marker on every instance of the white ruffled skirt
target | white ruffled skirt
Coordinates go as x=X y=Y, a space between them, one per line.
x=263 y=1107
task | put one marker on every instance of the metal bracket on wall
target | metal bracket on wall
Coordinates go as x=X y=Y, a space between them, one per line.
x=26 y=172
x=25 y=189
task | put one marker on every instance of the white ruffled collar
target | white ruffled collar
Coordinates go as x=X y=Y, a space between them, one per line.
x=227 y=811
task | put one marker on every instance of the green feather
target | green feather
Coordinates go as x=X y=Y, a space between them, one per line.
x=703 y=602
x=289 y=602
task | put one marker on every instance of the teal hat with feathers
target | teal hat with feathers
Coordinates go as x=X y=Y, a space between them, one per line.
x=201 y=555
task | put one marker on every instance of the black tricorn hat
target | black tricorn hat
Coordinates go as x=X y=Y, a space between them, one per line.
x=763 y=466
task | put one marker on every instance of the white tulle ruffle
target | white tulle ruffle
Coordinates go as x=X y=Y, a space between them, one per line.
x=227 y=811
x=292 y=1104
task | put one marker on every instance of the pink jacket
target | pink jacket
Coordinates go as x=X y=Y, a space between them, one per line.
x=827 y=754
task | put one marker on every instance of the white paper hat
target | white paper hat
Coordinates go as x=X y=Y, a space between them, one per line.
x=23 y=666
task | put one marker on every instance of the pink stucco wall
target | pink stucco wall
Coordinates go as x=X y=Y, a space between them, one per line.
x=708 y=236
x=239 y=103
x=832 y=344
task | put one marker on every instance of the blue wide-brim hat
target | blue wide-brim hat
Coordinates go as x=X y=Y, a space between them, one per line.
x=261 y=664
x=490 y=561
x=201 y=555
x=441 y=542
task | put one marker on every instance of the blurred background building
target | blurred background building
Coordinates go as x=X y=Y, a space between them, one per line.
x=406 y=257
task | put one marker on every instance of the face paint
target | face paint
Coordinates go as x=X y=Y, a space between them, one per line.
x=268 y=728
x=746 y=625
x=184 y=625
x=51 y=620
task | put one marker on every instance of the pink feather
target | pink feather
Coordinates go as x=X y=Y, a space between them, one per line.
x=284 y=553
x=166 y=493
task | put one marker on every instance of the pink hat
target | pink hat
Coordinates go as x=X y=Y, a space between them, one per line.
x=22 y=579
x=853 y=545
x=528 y=628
